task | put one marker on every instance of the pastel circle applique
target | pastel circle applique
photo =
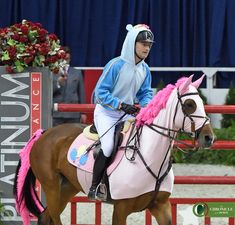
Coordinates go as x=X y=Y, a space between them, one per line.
x=73 y=154
x=83 y=159
x=81 y=150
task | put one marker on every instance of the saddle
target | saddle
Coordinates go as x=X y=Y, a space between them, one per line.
x=121 y=128
x=91 y=133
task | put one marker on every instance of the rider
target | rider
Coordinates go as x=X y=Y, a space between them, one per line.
x=124 y=79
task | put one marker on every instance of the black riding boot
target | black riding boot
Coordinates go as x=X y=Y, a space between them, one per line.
x=98 y=171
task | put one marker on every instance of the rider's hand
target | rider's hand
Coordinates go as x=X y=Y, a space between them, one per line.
x=129 y=109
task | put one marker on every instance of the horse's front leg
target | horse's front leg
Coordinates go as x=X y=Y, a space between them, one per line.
x=120 y=212
x=161 y=209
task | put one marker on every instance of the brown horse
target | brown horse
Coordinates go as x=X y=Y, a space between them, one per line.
x=183 y=112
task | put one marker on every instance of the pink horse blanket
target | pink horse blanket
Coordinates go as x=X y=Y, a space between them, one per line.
x=124 y=183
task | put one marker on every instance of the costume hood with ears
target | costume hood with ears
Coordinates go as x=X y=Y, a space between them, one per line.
x=128 y=48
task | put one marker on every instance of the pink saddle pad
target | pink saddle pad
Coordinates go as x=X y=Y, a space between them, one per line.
x=79 y=157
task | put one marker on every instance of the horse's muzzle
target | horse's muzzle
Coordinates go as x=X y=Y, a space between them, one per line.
x=206 y=137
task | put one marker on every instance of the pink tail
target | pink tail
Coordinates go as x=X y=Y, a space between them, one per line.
x=20 y=180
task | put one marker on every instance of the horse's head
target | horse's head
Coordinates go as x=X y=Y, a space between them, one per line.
x=190 y=114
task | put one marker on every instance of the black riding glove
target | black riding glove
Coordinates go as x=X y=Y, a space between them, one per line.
x=129 y=109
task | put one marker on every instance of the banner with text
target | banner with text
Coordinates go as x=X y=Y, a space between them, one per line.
x=25 y=106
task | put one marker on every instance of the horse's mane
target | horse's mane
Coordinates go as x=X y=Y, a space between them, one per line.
x=147 y=114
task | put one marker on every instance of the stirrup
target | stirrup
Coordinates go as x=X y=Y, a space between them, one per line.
x=101 y=192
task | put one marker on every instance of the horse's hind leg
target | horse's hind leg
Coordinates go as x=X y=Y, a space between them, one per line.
x=67 y=192
x=57 y=199
x=161 y=209
x=52 y=190
x=44 y=218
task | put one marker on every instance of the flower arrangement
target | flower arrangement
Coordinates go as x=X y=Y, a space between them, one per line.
x=29 y=44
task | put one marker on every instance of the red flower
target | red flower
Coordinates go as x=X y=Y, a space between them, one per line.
x=15 y=37
x=24 y=29
x=17 y=25
x=28 y=60
x=34 y=27
x=9 y=69
x=44 y=50
x=23 y=39
x=30 y=50
x=53 y=37
x=3 y=31
x=42 y=39
x=12 y=51
x=52 y=59
x=42 y=32
x=62 y=54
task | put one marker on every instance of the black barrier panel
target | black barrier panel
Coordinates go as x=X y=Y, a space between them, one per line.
x=25 y=106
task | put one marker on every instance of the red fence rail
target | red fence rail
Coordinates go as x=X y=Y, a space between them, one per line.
x=205 y=180
x=224 y=109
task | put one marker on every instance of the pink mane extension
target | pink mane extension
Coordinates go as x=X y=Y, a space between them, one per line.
x=25 y=165
x=147 y=114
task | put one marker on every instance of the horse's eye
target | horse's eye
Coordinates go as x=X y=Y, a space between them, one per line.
x=189 y=106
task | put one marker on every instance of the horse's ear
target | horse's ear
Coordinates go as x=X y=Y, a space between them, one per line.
x=197 y=83
x=184 y=87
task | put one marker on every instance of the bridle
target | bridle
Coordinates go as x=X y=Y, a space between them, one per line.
x=194 y=134
x=173 y=134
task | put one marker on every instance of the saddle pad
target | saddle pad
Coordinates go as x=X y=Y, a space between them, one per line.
x=127 y=179
x=78 y=156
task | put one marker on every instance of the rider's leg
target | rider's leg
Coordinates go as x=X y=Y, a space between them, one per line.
x=98 y=171
x=103 y=122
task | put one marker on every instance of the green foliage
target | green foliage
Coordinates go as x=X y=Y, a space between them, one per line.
x=230 y=100
x=160 y=85
x=2 y=210
x=205 y=156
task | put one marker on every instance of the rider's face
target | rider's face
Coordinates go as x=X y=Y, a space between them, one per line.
x=142 y=49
